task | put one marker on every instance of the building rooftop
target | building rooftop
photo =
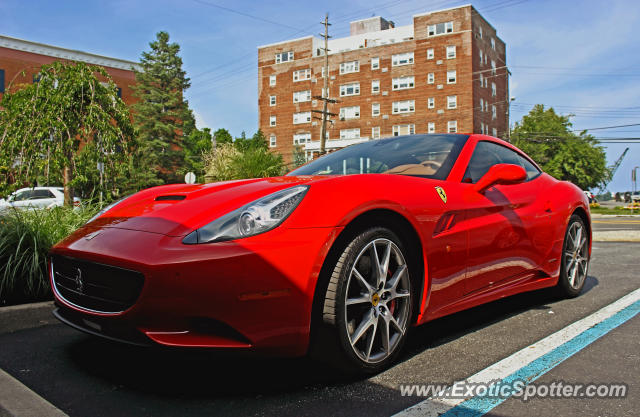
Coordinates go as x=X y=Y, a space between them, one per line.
x=58 y=52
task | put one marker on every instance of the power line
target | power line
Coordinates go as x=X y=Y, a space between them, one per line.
x=217 y=6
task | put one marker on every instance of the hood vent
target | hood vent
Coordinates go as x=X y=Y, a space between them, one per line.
x=170 y=197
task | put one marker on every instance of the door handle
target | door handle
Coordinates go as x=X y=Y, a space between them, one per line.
x=547 y=207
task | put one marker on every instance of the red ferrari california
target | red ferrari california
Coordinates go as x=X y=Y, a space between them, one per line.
x=339 y=258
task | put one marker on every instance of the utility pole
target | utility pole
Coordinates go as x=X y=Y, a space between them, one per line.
x=325 y=91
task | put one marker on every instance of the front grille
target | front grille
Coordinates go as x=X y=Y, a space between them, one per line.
x=95 y=286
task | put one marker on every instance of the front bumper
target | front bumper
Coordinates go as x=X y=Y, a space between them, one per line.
x=254 y=293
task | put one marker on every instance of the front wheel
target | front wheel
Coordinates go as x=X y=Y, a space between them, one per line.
x=575 y=258
x=368 y=303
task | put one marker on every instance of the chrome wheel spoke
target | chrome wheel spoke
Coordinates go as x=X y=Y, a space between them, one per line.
x=364 y=298
x=366 y=323
x=363 y=281
x=372 y=338
x=385 y=333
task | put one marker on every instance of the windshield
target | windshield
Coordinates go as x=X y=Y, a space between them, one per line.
x=427 y=156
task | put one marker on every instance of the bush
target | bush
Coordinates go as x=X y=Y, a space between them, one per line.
x=25 y=239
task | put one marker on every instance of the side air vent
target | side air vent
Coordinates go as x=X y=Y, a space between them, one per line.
x=170 y=197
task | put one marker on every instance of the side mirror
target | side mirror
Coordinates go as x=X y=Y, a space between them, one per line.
x=501 y=174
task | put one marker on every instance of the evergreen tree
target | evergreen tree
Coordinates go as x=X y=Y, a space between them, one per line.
x=162 y=113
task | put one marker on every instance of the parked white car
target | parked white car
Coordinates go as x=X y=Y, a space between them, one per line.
x=36 y=197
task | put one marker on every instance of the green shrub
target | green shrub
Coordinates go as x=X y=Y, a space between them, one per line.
x=25 y=239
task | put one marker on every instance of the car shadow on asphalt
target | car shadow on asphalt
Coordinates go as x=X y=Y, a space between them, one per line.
x=201 y=373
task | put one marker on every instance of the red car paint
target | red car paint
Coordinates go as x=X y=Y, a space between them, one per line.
x=477 y=247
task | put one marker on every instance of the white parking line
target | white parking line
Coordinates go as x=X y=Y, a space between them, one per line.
x=16 y=399
x=536 y=359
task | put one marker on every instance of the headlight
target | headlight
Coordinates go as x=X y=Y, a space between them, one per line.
x=257 y=217
x=107 y=208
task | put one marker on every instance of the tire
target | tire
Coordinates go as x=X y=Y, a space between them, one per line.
x=575 y=258
x=368 y=305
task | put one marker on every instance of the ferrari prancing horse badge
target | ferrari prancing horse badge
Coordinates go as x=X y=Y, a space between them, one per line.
x=441 y=193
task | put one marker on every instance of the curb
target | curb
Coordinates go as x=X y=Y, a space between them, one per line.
x=26 y=316
x=19 y=401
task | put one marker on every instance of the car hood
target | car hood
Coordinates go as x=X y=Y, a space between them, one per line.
x=176 y=210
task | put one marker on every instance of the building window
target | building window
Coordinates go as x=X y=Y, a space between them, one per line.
x=272 y=141
x=301 y=138
x=493 y=111
x=375 y=63
x=481 y=104
x=431 y=78
x=440 y=28
x=452 y=126
x=431 y=102
x=272 y=80
x=431 y=127
x=403 y=83
x=272 y=120
x=452 y=102
x=404 y=130
x=402 y=59
x=375 y=132
x=486 y=105
x=494 y=132
x=480 y=51
x=493 y=89
x=451 y=51
x=430 y=53
x=406 y=106
x=272 y=100
x=1 y=81
x=302 y=117
x=481 y=79
x=118 y=90
x=493 y=44
x=375 y=109
x=347 y=113
x=301 y=96
x=349 y=67
x=302 y=75
x=482 y=128
x=451 y=77
x=493 y=67
x=352 y=89
x=480 y=32
x=349 y=133
x=375 y=86
x=284 y=57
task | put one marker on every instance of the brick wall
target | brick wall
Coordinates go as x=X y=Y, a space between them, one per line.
x=14 y=62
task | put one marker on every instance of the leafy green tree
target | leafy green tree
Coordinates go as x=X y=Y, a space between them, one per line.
x=62 y=125
x=196 y=143
x=161 y=113
x=222 y=136
x=547 y=137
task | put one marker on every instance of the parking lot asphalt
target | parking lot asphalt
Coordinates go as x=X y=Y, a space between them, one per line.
x=86 y=376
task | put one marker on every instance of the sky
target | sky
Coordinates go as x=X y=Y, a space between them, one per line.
x=580 y=57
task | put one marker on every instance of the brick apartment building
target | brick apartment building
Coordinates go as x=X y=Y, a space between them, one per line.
x=446 y=72
x=17 y=55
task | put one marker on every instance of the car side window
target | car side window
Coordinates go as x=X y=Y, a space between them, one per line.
x=41 y=194
x=531 y=169
x=23 y=195
x=487 y=154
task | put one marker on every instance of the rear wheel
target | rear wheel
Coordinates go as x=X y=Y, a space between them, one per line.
x=368 y=302
x=575 y=258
